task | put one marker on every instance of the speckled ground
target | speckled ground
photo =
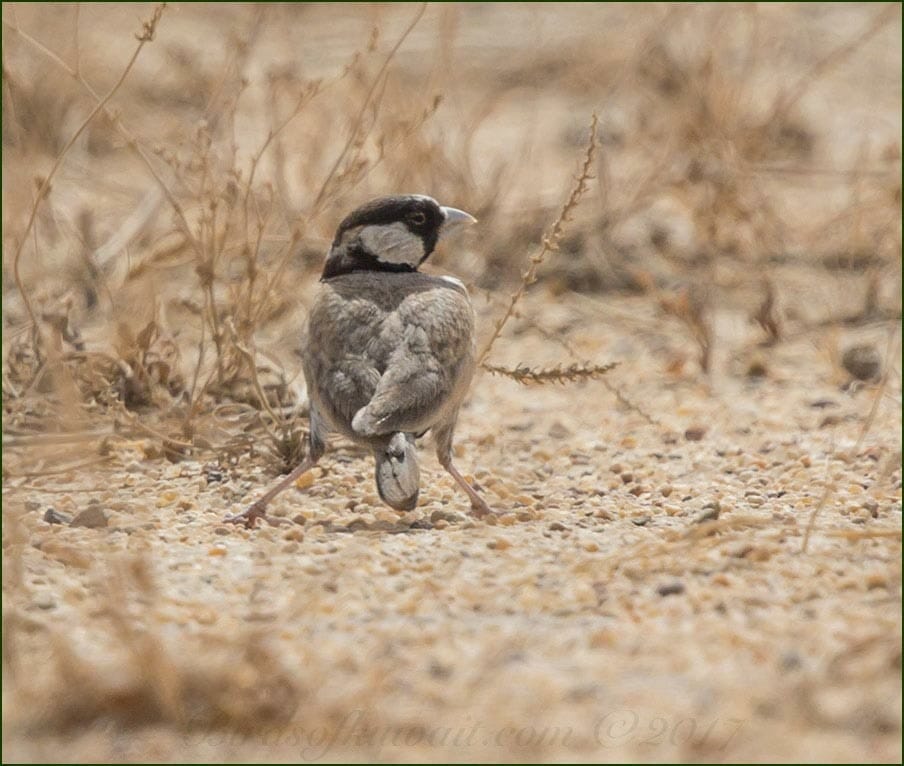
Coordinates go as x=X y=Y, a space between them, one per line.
x=685 y=567
x=643 y=594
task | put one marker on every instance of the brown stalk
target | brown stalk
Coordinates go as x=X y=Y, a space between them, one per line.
x=356 y=125
x=528 y=376
x=149 y=28
x=550 y=241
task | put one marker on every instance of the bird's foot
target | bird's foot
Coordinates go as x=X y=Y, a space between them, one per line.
x=249 y=517
x=480 y=509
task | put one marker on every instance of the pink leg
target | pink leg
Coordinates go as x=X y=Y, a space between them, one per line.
x=257 y=510
x=478 y=504
x=444 y=454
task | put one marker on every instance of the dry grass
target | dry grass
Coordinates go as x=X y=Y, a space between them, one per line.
x=170 y=191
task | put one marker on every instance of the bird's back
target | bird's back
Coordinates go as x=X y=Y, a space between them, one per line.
x=408 y=333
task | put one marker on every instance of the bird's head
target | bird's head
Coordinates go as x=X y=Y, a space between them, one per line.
x=391 y=234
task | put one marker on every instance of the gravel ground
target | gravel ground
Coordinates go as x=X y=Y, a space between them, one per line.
x=644 y=593
x=685 y=566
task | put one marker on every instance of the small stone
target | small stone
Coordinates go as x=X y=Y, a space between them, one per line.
x=671 y=589
x=666 y=490
x=300 y=519
x=221 y=531
x=558 y=431
x=305 y=480
x=641 y=521
x=710 y=512
x=213 y=474
x=863 y=362
x=876 y=580
x=637 y=490
x=627 y=478
x=168 y=497
x=450 y=517
x=45 y=601
x=557 y=526
x=695 y=433
x=92 y=517
x=55 y=517
x=756 y=369
x=294 y=534
x=499 y=544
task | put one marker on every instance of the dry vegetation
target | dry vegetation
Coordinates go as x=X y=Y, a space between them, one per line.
x=690 y=216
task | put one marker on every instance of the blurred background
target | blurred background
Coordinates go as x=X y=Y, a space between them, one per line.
x=741 y=148
x=165 y=214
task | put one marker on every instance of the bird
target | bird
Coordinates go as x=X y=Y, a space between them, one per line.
x=388 y=352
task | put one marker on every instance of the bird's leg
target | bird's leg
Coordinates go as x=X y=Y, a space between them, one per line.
x=257 y=510
x=444 y=454
x=478 y=504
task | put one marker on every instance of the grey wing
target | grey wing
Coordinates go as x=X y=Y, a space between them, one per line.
x=428 y=373
x=341 y=375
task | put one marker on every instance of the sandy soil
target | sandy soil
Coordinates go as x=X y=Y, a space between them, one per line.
x=685 y=567
x=610 y=613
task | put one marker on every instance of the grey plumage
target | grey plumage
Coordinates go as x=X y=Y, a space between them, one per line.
x=388 y=353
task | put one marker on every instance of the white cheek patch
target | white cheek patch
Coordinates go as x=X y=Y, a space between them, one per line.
x=393 y=243
x=455 y=281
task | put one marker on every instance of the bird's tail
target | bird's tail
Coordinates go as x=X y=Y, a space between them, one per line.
x=397 y=474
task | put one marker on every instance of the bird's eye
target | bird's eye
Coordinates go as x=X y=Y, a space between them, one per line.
x=417 y=218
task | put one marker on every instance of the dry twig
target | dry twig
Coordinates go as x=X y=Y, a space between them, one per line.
x=528 y=376
x=550 y=241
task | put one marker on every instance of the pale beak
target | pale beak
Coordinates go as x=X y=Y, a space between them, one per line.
x=454 y=220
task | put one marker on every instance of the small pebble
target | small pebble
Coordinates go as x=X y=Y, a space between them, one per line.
x=558 y=431
x=671 y=589
x=863 y=362
x=54 y=517
x=92 y=517
x=213 y=474
x=695 y=433
x=45 y=601
x=710 y=512
x=641 y=521
x=450 y=517
x=756 y=369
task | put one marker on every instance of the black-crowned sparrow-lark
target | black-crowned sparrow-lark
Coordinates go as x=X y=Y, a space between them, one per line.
x=388 y=353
